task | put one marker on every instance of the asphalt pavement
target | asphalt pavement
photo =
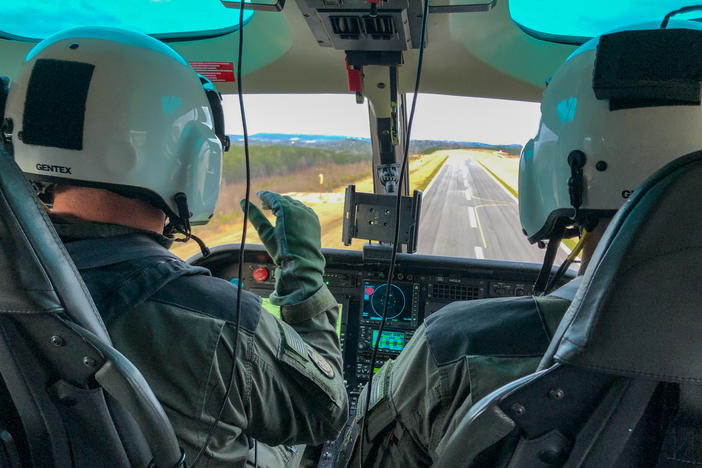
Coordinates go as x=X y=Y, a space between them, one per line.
x=467 y=213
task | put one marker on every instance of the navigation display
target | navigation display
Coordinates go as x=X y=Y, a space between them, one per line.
x=399 y=303
x=392 y=340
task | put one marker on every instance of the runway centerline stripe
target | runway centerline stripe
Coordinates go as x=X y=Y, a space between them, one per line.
x=479 y=252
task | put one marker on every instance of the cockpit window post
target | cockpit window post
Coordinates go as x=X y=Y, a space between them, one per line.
x=386 y=115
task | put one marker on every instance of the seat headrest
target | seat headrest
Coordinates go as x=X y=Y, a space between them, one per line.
x=638 y=311
x=37 y=274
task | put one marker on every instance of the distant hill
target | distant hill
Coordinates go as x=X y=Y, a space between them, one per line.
x=429 y=146
x=362 y=145
x=281 y=159
x=327 y=142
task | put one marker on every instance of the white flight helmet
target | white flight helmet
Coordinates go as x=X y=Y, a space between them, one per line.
x=114 y=109
x=622 y=106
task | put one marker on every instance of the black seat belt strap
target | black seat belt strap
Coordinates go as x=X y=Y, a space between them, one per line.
x=682 y=443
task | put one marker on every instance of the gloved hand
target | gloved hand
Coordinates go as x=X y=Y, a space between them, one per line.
x=294 y=244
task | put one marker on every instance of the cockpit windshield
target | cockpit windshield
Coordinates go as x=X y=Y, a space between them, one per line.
x=576 y=22
x=37 y=19
x=464 y=156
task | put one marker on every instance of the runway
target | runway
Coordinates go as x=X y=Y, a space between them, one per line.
x=467 y=213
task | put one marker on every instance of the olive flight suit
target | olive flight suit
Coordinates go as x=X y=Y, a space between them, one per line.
x=461 y=353
x=175 y=322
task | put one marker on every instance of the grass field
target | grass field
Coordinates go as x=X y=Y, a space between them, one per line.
x=326 y=200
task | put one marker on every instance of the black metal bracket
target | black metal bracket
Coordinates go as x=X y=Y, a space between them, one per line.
x=372 y=216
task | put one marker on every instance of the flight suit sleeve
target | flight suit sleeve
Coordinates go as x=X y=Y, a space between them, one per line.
x=289 y=382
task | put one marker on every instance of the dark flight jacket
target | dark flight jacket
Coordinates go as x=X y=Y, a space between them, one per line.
x=460 y=354
x=175 y=322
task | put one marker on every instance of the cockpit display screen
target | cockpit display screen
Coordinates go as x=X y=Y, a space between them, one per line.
x=391 y=340
x=399 y=303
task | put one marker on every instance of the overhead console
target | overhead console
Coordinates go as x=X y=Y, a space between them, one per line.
x=376 y=24
x=350 y=24
x=422 y=285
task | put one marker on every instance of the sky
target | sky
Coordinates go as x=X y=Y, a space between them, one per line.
x=437 y=117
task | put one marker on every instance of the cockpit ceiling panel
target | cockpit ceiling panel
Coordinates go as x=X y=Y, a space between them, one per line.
x=268 y=37
x=576 y=22
x=36 y=20
x=493 y=38
x=480 y=54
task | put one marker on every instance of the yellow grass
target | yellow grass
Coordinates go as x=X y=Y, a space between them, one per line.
x=328 y=206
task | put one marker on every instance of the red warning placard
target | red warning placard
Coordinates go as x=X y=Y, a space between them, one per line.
x=215 y=71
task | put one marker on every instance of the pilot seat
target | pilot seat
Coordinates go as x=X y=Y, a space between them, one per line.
x=67 y=397
x=621 y=382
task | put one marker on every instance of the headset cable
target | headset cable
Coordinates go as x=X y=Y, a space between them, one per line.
x=393 y=258
x=242 y=246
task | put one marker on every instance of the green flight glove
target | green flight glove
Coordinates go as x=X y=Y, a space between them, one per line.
x=294 y=244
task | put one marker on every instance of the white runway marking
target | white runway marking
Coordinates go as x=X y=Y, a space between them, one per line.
x=471 y=217
x=479 y=252
x=468 y=196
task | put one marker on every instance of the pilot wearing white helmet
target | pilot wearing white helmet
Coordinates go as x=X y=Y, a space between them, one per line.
x=129 y=137
x=621 y=107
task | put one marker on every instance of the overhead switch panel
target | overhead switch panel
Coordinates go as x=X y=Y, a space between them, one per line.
x=349 y=24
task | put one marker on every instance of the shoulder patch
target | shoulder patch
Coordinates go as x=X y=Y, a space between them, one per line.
x=321 y=363
x=293 y=341
x=309 y=365
x=510 y=326
x=380 y=385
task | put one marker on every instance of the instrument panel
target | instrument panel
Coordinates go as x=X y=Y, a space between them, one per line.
x=422 y=285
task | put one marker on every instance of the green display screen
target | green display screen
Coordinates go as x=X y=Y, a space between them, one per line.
x=275 y=311
x=390 y=340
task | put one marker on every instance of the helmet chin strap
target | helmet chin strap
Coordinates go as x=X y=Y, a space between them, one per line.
x=576 y=183
x=576 y=161
x=181 y=224
x=549 y=259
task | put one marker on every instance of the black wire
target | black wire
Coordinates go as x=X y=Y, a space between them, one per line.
x=549 y=258
x=557 y=277
x=242 y=246
x=391 y=270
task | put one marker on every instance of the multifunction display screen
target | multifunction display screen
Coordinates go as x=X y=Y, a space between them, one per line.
x=391 y=340
x=399 y=303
